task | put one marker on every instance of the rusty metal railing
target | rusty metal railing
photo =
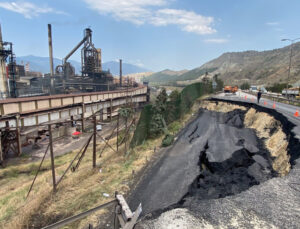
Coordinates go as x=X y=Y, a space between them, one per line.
x=124 y=218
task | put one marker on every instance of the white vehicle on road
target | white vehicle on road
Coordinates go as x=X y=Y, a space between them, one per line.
x=99 y=127
x=253 y=89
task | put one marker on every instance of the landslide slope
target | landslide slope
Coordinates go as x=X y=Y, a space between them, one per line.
x=220 y=196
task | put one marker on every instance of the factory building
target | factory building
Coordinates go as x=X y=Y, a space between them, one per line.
x=19 y=81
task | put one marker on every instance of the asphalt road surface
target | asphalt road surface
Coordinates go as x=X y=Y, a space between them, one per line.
x=287 y=110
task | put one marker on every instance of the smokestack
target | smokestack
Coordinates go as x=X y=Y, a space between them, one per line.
x=120 y=72
x=50 y=49
x=3 y=77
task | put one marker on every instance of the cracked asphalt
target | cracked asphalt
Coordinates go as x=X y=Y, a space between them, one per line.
x=274 y=203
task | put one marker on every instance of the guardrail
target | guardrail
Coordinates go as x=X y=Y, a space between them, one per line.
x=290 y=101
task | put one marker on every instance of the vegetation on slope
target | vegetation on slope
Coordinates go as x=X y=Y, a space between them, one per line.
x=156 y=117
x=168 y=77
x=278 y=87
x=195 y=73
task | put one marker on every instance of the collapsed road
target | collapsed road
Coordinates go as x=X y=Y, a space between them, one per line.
x=230 y=167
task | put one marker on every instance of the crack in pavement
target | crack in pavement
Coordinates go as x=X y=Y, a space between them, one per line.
x=210 y=142
x=272 y=204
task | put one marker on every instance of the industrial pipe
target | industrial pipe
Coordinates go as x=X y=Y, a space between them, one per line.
x=88 y=35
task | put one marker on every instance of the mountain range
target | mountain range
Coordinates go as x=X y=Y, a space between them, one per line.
x=254 y=67
x=41 y=64
x=234 y=68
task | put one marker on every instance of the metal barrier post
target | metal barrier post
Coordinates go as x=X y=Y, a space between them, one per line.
x=94 y=141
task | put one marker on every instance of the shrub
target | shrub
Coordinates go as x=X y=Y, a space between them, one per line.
x=168 y=140
x=154 y=117
x=245 y=86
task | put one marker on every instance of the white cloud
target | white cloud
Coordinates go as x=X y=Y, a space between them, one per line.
x=187 y=20
x=135 y=11
x=28 y=9
x=274 y=23
x=153 y=12
x=216 y=40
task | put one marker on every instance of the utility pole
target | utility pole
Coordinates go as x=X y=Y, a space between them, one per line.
x=290 y=62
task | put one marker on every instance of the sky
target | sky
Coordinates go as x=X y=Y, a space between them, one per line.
x=155 y=34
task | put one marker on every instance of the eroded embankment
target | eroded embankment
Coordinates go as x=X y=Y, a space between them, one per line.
x=245 y=146
x=252 y=162
x=267 y=128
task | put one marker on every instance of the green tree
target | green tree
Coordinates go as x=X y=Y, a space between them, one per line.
x=173 y=107
x=278 y=87
x=220 y=83
x=245 y=86
x=157 y=123
x=125 y=112
x=161 y=101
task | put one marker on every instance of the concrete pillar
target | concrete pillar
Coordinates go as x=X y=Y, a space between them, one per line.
x=104 y=116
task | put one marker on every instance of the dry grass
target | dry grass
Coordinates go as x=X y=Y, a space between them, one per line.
x=275 y=139
x=220 y=106
x=79 y=191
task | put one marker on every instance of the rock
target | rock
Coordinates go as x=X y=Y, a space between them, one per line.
x=255 y=171
x=260 y=160
x=105 y=194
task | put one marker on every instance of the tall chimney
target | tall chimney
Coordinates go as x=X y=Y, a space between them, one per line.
x=50 y=56
x=3 y=77
x=120 y=72
x=50 y=49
